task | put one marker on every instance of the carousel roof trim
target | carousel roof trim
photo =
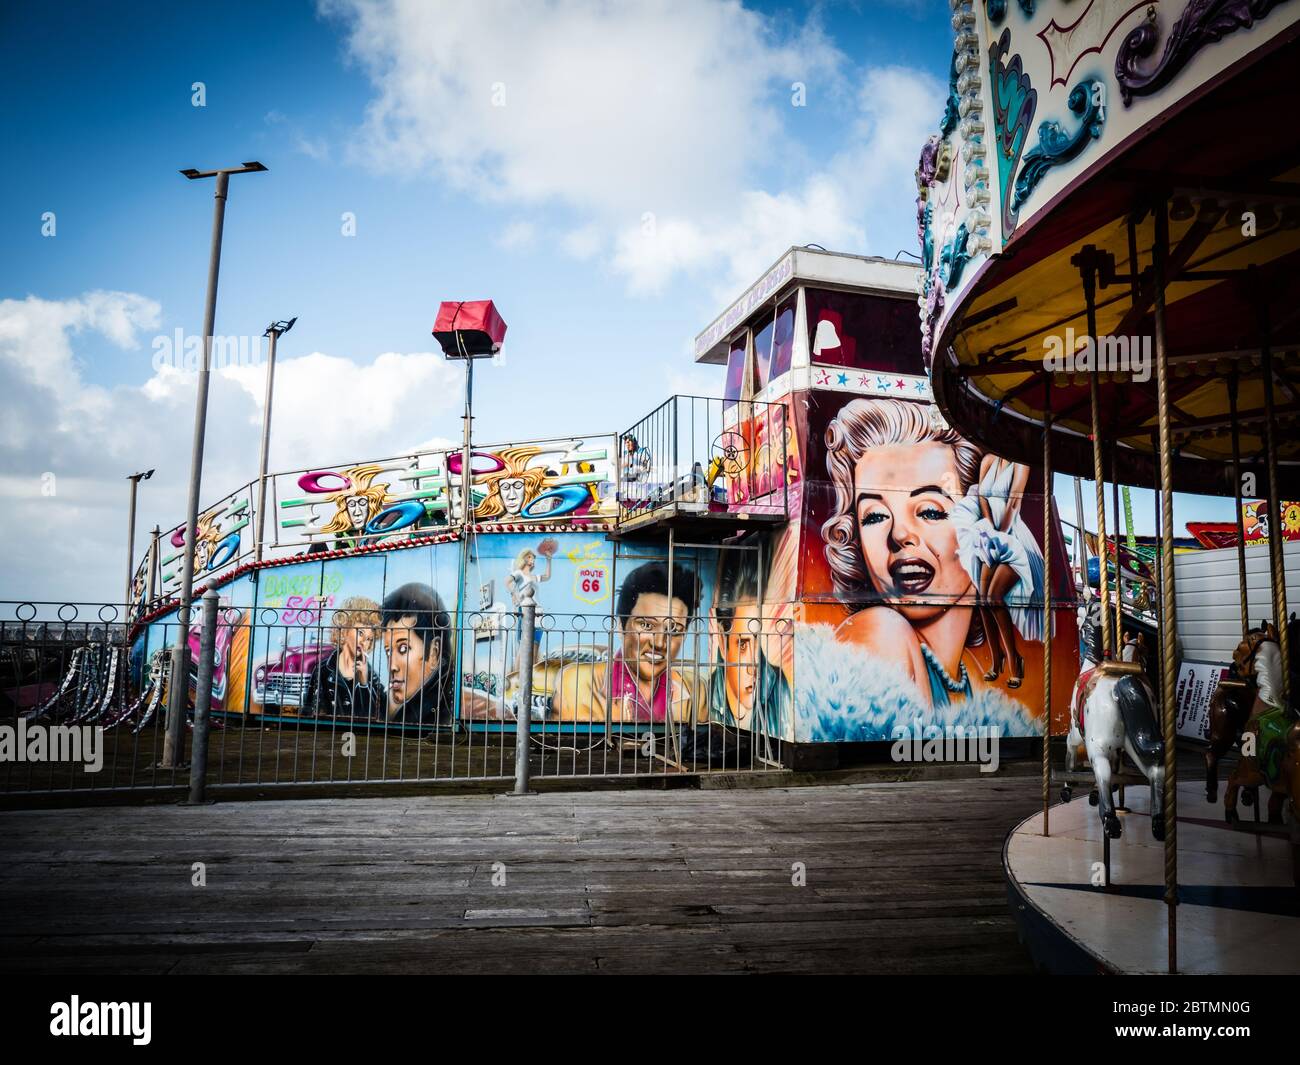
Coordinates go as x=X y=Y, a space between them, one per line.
x=1004 y=349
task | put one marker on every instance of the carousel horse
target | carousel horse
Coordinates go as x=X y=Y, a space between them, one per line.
x=1090 y=631
x=1113 y=711
x=1231 y=704
x=1275 y=761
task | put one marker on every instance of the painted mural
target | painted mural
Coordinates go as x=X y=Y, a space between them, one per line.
x=343 y=507
x=923 y=580
x=625 y=638
x=387 y=501
x=630 y=637
x=221 y=538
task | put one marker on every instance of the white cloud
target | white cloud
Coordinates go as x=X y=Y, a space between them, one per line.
x=585 y=242
x=679 y=109
x=330 y=409
x=69 y=544
x=868 y=180
x=518 y=236
x=625 y=107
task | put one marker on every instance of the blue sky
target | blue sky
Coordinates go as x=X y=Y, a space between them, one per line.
x=680 y=110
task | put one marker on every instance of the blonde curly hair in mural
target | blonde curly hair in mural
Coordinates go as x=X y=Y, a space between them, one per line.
x=510 y=490
x=861 y=426
x=355 y=612
x=207 y=534
x=376 y=498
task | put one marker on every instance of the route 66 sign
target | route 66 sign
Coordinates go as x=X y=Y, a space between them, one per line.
x=591 y=583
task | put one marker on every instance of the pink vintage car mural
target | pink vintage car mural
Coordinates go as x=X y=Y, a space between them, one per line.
x=281 y=679
x=228 y=620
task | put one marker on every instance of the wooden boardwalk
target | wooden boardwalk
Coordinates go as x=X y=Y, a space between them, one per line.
x=901 y=878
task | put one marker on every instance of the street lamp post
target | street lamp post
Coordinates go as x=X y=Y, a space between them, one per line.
x=468 y=330
x=275 y=331
x=174 y=742
x=151 y=574
x=135 y=480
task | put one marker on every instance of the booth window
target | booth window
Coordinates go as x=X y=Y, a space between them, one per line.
x=735 y=372
x=763 y=352
x=783 y=338
x=774 y=345
x=865 y=332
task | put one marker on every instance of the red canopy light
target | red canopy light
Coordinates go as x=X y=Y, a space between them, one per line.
x=469 y=329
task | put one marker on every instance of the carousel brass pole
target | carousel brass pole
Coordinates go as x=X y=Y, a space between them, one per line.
x=1274 y=501
x=1047 y=602
x=1087 y=271
x=1085 y=591
x=1160 y=568
x=1236 y=495
x=1119 y=571
x=1168 y=613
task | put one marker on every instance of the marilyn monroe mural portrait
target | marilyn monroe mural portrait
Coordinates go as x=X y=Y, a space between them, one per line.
x=938 y=578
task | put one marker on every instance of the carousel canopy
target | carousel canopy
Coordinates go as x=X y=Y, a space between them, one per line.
x=1214 y=147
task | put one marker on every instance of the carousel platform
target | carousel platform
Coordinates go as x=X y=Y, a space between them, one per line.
x=1239 y=910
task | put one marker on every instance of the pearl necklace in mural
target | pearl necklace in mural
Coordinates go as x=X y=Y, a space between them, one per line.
x=954 y=686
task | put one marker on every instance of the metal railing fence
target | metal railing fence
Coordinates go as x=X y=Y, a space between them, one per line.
x=707 y=456
x=349 y=697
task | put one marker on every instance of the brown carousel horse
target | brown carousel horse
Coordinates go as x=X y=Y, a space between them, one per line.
x=1231 y=704
x=1252 y=706
x=1248 y=705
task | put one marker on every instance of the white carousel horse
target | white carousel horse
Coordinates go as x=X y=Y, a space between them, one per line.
x=1113 y=711
x=1090 y=628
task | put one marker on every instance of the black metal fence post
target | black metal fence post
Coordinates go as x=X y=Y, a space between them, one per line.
x=523 y=715
x=203 y=698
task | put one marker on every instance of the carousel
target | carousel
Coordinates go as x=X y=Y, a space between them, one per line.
x=1110 y=222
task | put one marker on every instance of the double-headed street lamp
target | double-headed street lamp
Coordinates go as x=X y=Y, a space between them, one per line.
x=135 y=480
x=174 y=743
x=275 y=331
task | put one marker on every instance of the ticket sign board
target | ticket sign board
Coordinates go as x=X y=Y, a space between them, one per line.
x=1197 y=682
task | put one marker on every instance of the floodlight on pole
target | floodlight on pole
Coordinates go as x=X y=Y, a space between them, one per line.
x=467 y=330
x=135 y=479
x=174 y=741
x=275 y=331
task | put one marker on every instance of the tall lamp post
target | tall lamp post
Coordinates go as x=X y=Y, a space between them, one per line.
x=275 y=331
x=468 y=330
x=135 y=480
x=174 y=742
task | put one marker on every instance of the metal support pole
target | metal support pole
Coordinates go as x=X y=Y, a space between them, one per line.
x=466 y=518
x=1119 y=569
x=1087 y=271
x=174 y=742
x=466 y=476
x=1081 y=551
x=273 y=332
x=130 y=551
x=1237 y=499
x=203 y=698
x=528 y=623
x=1168 y=612
x=151 y=574
x=1047 y=606
x=1160 y=562
x=1275 y=527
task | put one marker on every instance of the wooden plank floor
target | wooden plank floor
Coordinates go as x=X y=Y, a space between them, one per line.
x=901 y=878
x=312 y=755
